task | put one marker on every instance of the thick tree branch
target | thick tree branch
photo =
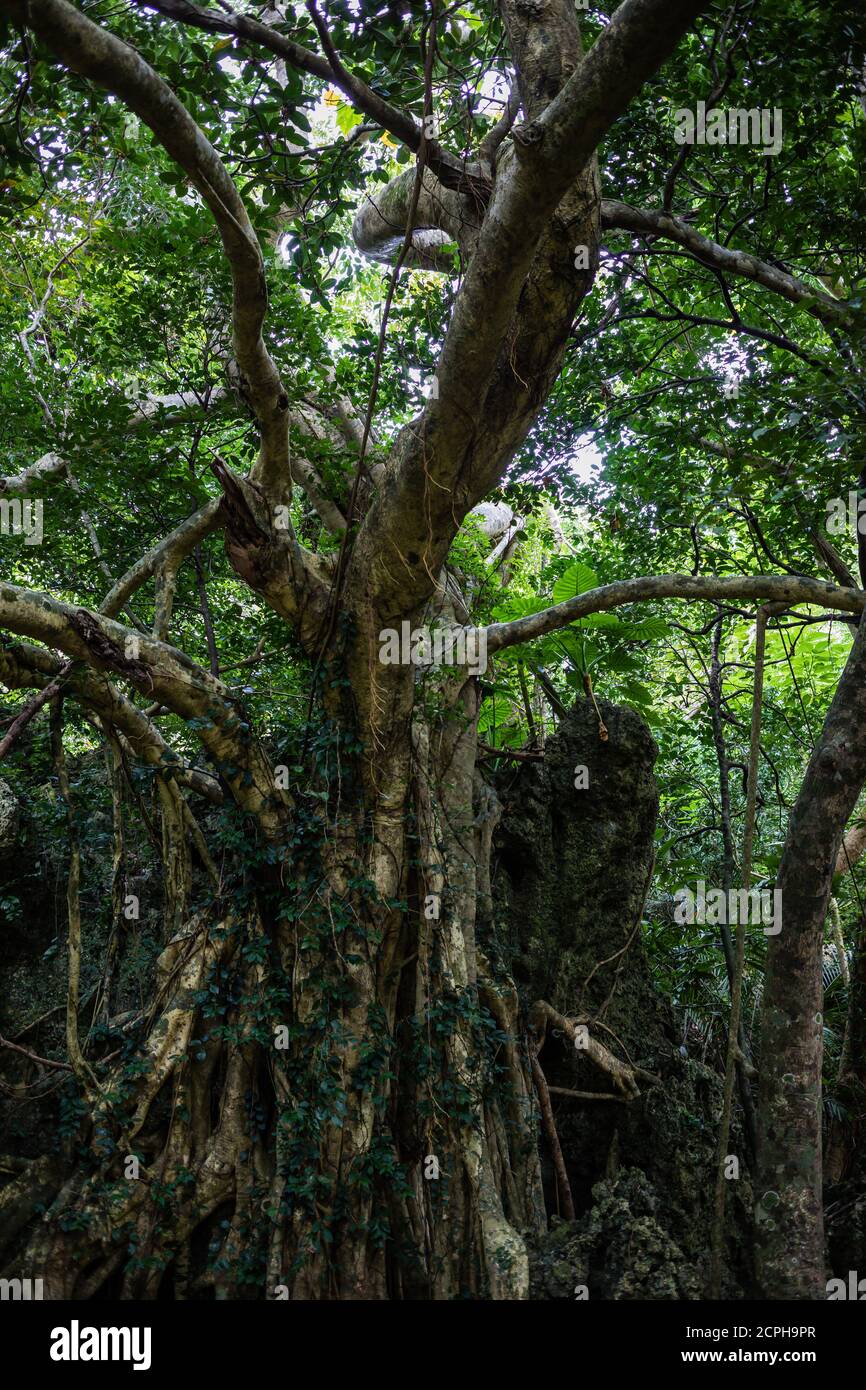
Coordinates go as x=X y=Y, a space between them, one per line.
x=166 y=412
x=48 y=466
x=491 y=384
x=263 y=550
x=489 y=146
x=624 y=1077
x=550 y=152
x=820 y=305
x=24 y=666
x=177 y=408
x=171 y=551
x=307 y=478
x=165 y=674
x=770 y=588
x=379 y=228
x=31 y=709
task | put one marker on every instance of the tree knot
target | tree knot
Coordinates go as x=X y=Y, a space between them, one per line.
x=530 y=133
x=106 y=651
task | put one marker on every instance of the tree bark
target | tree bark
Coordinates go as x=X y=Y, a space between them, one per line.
x=789 y=1212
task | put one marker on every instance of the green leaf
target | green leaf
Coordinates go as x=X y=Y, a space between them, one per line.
x=578 y=579
x=347 y=118
x=636 y=693
x=648 y=630
x=609 y=621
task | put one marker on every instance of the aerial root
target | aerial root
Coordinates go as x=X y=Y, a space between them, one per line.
x=624 y=1077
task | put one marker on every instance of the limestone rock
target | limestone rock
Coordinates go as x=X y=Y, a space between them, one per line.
x=10 y=818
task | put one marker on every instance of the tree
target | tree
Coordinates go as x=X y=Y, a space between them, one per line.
x=374 y=1080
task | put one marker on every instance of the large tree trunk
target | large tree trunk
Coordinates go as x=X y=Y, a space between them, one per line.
x=435 y=1099
x=338 y=1058
x=789 y=1211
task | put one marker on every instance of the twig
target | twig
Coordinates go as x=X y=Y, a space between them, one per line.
x=566 y=1201
x=585 y=1095
x=41 y=1061
x=32 y=708
x=521 y=755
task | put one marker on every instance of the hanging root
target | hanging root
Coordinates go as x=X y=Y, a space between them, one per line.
x=73 y=1045
x=183 y=967
x=118 y=874
x=195 y=1168
x=566 y=1202
x=624 y=1078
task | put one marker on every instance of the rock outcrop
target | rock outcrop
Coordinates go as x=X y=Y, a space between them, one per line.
x=573 y=858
